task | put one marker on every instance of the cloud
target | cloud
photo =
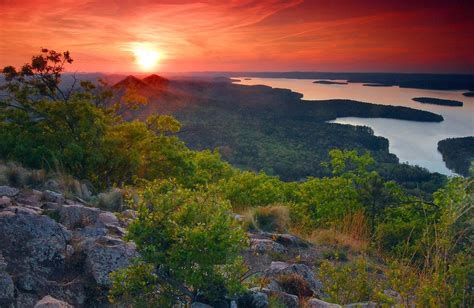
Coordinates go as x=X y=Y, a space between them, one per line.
x=242 y=34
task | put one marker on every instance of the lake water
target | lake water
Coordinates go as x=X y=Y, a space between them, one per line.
x=413 y=142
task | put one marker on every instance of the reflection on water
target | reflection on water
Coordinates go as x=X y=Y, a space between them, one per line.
x=412 y=142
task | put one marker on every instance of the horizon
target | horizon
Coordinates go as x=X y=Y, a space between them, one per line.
x=177 y=36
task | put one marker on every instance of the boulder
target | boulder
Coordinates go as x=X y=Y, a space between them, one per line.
x=105 y=255
x=7 y=191
x=29 y=197
x=78 y=216
x=317 y=303
x=32 y=243
x=261 y=246
x=282 y=268
x=51 y=302
x=253 y=299
x=362 y=305
x=7 y=288
x=5 y=202
x=289 y=300
x=52 y=196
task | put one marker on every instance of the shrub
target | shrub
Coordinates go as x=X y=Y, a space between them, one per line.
x=347 y=283
x=191 y=243
x=294 y=284
x=111 y=200
x=271 y=218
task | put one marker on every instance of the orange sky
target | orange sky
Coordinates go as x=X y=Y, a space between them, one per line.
x=245 y=35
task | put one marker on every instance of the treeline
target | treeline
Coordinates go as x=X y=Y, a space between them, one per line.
x=185 y=230
x=458 y=154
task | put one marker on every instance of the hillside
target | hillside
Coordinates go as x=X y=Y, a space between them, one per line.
x=260 y=128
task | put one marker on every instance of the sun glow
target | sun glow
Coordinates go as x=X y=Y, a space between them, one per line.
x=146 y=56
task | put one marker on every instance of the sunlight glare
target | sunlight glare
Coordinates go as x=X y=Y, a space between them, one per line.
x=146 y=56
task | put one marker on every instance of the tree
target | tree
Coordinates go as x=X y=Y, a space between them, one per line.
x=189 y=244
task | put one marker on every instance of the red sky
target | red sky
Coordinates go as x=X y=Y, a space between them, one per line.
x=245 y=35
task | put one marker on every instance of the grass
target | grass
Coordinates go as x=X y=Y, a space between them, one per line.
x=275 y=218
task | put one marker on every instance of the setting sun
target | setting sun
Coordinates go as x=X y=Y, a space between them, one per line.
x=146 y=57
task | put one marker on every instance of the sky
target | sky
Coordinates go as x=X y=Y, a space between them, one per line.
x=244 y=35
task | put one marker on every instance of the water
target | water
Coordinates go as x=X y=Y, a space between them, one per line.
x=413 y=142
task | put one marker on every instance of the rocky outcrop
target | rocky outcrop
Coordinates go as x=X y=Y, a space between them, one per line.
x=56 y=252
x=51 y=302
x=317 y=303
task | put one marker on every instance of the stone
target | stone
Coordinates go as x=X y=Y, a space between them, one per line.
x=254 y=299
x=78 y=216
x=29 y=197
x=52 y=185
x=51 y=302
x=52 y=196
x=266 y=246
x=7 y=288
x=317 y=303
x=282 y=268
x=7 y=191
x=362 y=305
x=200 y=305
x=31 y=243
x=5 y=202
x=105 y=255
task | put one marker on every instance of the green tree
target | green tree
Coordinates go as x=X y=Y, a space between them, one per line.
x=190 y=244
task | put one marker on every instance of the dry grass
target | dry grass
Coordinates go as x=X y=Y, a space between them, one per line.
x=352 y=233
x=275 y=218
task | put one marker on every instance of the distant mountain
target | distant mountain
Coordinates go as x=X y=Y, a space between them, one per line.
x=130 y=82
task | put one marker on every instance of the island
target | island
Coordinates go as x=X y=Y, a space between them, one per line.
x=438 y=101
x=329 y=82
x=469 y=94
x=458 y=154
x=376 y=85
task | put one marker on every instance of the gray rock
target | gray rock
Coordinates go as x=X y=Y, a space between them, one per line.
x=7 y=191
x=5 y=202
x=289 y=300
x=52 y=185
x=51 y=302
x=282 y=268
x=362 y=305
x=31 y=243
x=266 y=246
x=253 y=299
x=105 y=255
x=200 y=305
x=7 y=288
x=29 y=197
x=78 y=216
x=52 y=196
x=317 y=303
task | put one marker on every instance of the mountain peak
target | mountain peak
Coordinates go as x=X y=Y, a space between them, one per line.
x=155 y=80
x=130 y=81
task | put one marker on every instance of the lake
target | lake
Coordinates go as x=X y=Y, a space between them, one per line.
x=413 y=142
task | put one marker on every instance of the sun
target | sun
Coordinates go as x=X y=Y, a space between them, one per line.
x=146 y=56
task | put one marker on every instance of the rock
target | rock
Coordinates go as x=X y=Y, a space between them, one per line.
x=31 y=243
x=266 y=246
x=317 y=303
x=51 y=302
x=289 y=240
x=7 y=191
x=105 y=255
x=5 y=202
x=7 y=288
x=200 y=305
x=362 y=305
x=282 y=268
x=52 y=185
x=78 y=216
x=108 y=219
x=29 y=197
x=289 y=300
x=51 y=196
x=253 y=299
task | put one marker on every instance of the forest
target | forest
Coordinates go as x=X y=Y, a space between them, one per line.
x=189 y=242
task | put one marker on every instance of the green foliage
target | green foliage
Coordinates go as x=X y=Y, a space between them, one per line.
x=249 y=189
x=191 y=241
x=347 y=283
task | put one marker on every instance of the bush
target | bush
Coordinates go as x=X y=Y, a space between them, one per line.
x=190 y=241
x=111 y=200
x=294 y=284
x=347 y=283
x=271 y=218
